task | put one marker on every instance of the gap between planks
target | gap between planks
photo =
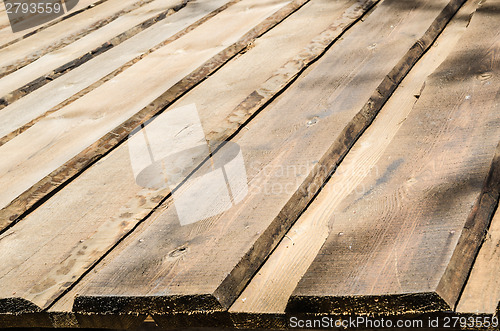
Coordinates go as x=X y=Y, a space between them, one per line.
x=7 y=37
x=26 y=112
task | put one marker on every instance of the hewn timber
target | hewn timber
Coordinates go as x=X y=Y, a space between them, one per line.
x=7 y=37
x=27 y=50
x=55 y=95
x=81 y=240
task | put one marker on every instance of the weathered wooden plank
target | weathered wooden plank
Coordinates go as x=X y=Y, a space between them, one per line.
x=54 y=64
x=217 y=97
x=269 y=290
x=164 y=267
x=482 y=290
x=111 y=219
x=405 y=241
x=24 y=113
x=7 y=37
x=27 y=50
x=62 y=144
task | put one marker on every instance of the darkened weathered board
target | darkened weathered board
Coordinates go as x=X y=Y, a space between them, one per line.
x=164 y=267
x=406 y=240
x=220 y=109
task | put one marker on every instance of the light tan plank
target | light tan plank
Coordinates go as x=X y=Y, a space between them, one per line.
x=404 y=240
x=76 y=53
x=54 y=37
x=7 y=37
x=86 y=239
x=61 y=136
x=269 y=290
x=21 y=115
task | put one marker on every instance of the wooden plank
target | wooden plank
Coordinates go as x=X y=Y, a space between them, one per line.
x=7 y=37
x=405 y=240
x=482 y=291
x=217 y=97
x=54 y=37
x=54 y=64
x=65 y=145
x=269 y=290
x=164 y=267
x=24 y=113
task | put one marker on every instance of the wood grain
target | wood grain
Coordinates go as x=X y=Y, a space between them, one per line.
x=269 y=290
x=218 y=98
x=7 y=37
x=54 y=64
x=405 y=241
x=67 y=144
x=62 y=232
x=54 y=37
x=55 y=95
x=163 y=267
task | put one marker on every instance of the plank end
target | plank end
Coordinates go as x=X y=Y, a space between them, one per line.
x=368 y=304
x=153 y=305
x=16 y=305
x=212 y=319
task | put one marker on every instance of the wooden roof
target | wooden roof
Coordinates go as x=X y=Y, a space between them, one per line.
x=236 y=163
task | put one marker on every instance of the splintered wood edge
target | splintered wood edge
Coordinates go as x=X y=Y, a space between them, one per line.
x=234 y=283
x=254 y=103
x=473 y=234
x=39 y=82
x=50 y=184
x=20 y=63
x=453 y=281
x=241 y=274
x=167 y=304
